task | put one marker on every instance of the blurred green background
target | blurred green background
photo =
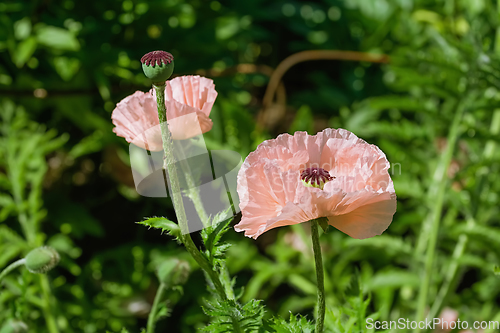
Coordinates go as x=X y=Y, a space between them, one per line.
x=65 y=178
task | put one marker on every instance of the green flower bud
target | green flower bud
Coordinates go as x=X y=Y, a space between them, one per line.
x=14 y=326
x=173 y=272
x=42 y=259
x=158 y=65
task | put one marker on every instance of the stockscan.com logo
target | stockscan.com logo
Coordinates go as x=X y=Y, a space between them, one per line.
x=214 y=174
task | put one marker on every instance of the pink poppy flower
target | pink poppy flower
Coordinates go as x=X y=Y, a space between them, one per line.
x=188 y=100
x=333 y=174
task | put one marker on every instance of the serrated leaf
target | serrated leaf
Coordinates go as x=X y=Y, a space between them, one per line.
x=294 y=325
x=231 y=316
x=164 y=224
x=212 y=235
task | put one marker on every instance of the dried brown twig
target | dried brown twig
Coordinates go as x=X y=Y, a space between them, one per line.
x=264 y=119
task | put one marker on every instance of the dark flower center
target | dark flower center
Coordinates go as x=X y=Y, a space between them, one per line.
x=157 y=58
x=315 y=177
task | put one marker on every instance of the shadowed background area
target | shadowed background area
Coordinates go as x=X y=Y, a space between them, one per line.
x=420 y=79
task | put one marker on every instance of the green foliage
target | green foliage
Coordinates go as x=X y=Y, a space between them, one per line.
x=212 y=236
x=296 y=324
x=230 y=316
x=352 y=316
x=65 y=66
x=303 y=121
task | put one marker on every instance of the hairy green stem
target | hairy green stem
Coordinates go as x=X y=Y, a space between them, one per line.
x=169 y=159
x=169 y=166
x=47 y=312
x=318 y=260
x=441 y=178
x=236 y=324
x=11 y=267
x=154 y=310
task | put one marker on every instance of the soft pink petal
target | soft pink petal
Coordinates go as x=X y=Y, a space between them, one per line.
x=189 y=98
x=149 y=139
x=194 y=91
x=369 y=219
x=264 y=191
x=359 y=201
x=189 y=125
x=134 y=116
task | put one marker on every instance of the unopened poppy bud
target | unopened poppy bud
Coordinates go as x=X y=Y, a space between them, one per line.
x=173 y=272
x=158 y=65
x=42 y=259
x=14 y=326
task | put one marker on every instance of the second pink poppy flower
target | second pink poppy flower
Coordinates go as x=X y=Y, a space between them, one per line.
x=188 y=100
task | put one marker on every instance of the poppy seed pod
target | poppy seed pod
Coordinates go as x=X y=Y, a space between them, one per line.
x=158 y=65
x=315 y=177
x=42 y=259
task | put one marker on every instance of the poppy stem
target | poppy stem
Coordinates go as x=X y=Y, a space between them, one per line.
x=318 y=260
x=11 y=267
x=154 y=310
x=171 y=170
x=169 y=160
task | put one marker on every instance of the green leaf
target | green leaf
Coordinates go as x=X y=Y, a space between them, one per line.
x=66 y=67
x=22 y=28
x=230 y=316
x=212 y=235
x=9 y=235
x=164 y=224
x=303 y=120
x=6 y=206
x=8 y=253
x=25 y=50
x=57 y=38
x=297 y=324
x=89 y=144
x=480 y=232
x=393 y=279
x=303 y=284
x=226 y=27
